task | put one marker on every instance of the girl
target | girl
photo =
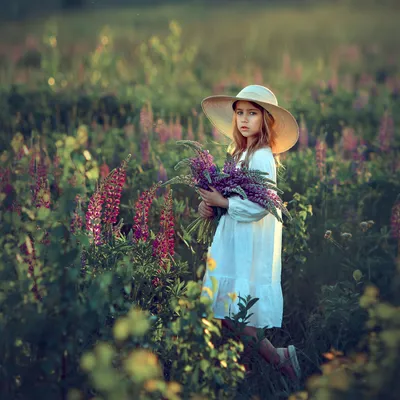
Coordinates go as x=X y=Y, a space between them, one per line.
x=247 y=243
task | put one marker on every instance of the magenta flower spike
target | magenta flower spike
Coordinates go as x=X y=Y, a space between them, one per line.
x=141 y=218
x=395 y=219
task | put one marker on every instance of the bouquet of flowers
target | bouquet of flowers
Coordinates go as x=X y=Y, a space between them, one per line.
x=231 y=180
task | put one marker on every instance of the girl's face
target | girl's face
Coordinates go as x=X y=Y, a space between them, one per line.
x=248 y=119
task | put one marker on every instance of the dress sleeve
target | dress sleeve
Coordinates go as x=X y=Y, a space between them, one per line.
x=244 y=210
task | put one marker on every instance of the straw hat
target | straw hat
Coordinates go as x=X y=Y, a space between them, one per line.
x=219 y=111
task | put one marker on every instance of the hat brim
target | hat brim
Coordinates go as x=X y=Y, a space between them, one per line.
x=219 y=111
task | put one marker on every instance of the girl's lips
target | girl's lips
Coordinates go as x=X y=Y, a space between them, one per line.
x=244 y=127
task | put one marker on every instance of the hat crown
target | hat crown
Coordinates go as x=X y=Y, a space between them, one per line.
x=258 y=93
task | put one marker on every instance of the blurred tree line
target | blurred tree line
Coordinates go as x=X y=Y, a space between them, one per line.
x=20 y=9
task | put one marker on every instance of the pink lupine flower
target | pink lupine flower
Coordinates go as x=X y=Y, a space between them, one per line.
x=156 y=282
x=320 y=152
x=164 y=243
x=112 y=194
x=395 y=219
x=162 y=131
x=109 y=193
x=303 y=134
x=93 y=217
x=142 y=207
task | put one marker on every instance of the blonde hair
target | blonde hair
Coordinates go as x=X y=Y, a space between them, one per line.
x=266 y=137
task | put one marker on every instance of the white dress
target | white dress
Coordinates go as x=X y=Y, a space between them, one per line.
x=247 y=250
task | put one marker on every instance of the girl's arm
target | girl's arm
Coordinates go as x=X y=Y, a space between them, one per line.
x=245 y=210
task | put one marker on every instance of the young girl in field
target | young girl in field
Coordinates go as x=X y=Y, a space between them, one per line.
x=247 y=243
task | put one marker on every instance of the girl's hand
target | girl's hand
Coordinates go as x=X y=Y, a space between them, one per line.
x=213 y=198
x=205 y=211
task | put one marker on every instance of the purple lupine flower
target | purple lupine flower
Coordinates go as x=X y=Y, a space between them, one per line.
x=303 y=134
x=113 y=191
x=233 y=180
x=395 y=219
x=142 y=207
x=164 y=243
x=93 y=217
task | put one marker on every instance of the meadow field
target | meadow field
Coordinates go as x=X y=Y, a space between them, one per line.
x=100 y=279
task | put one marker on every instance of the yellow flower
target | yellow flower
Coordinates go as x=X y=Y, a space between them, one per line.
x=233 y=296
x=211 y=264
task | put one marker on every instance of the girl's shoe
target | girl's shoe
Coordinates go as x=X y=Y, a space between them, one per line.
x=289 y=364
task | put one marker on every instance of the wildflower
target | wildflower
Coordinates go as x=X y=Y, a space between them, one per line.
x=363 y=226
x=328 y=234
x=164 y=243
x=370 y=223
x=142 y=207
x=162 y=131
x=93 y=216
x=395 y=219
x=112 y=191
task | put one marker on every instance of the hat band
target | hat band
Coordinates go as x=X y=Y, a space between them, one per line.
x=256 y=96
